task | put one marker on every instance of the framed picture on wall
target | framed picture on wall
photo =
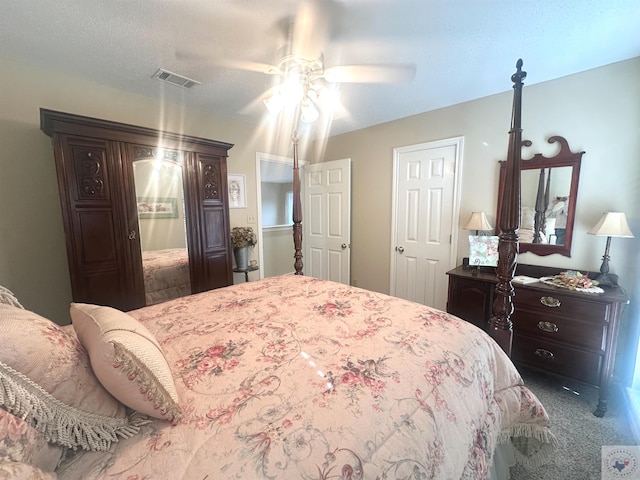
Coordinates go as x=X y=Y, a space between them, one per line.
x=237 y=185
x=156 y=207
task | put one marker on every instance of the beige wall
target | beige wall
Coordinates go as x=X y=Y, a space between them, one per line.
x=596 y=111
x=278 y=252
x=33 y=259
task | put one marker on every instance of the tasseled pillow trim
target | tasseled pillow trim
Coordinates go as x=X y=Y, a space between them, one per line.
x=7 y=297
x=137 y=371
x=58 y=422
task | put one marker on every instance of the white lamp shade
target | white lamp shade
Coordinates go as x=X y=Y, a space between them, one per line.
x=612 y=224
x=478 y=221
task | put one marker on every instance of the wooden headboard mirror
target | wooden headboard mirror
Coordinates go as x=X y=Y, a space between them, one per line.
x=549 y=187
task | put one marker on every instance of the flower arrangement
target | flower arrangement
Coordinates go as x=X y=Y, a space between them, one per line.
x=243 y=237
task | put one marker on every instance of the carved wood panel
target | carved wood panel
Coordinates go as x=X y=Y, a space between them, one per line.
x=94 y=161
x=96 y=222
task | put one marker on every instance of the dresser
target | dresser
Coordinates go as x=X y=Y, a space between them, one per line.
x=565 y=333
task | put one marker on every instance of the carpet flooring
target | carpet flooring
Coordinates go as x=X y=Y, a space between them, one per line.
x=580 y=434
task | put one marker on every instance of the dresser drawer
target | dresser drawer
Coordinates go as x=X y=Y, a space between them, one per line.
x=565 y=330
x=561 y=359
x=555 y=330
x=576 y=307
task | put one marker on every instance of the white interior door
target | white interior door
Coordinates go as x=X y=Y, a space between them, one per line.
x=326 y=220
x=426 y=207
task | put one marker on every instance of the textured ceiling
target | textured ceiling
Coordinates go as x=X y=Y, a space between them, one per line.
x=462 y=49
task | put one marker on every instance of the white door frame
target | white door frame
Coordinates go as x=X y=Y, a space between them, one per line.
x=458 y=142
x=268 y=158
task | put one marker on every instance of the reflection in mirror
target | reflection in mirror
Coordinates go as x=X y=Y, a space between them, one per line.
x=276 y=214
x=549 y=188
x=551 y=219
x=161 y=218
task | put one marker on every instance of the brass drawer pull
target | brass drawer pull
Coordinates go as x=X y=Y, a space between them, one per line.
x=545 y=354
x=550 y=301
x=548 y=327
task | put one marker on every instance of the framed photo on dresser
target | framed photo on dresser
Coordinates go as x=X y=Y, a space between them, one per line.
x=483 y=251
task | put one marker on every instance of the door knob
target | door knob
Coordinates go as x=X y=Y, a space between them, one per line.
x=132 y=234
x=344 y=245
x=400 y=249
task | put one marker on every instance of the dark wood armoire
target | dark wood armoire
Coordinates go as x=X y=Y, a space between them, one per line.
x=94 y=163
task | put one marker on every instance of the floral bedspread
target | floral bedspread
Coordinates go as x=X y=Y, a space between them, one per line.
x=166 y=274
x=296 y=378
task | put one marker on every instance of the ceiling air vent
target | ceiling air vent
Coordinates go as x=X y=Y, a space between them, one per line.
x=175 y=79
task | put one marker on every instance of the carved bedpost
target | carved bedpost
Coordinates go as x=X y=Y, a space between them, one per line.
x=500 y=327
x=297 y=209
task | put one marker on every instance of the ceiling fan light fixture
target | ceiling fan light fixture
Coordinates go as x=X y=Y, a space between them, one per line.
x=274 y=104
x=292 y=90
x=308 y=111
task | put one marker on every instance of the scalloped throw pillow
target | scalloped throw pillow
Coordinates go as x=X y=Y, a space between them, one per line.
x=127 y=359
x=46 y=379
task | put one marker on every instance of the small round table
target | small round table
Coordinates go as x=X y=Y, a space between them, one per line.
x=246 y=271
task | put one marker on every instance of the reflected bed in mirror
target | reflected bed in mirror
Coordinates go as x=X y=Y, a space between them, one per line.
x=549 y=187
x=161 y=220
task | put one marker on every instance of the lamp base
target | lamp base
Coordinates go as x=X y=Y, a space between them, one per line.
x=607 y=280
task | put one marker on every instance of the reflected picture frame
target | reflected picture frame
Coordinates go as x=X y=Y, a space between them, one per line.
x=237 y=190
x=157 y=207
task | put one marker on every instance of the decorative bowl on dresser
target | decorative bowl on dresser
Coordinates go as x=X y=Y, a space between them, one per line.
x=566 y=333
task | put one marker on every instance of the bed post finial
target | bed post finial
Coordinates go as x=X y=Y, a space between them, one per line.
x=500 y=326
x=297 y=209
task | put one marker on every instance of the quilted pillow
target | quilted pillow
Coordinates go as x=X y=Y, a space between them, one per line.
x=20 y=442
x=46 y=379
x=127 y=359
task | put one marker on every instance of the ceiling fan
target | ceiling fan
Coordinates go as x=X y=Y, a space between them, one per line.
x=301 y=77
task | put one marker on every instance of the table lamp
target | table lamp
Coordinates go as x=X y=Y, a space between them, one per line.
x=478 y=221
x=611 y=224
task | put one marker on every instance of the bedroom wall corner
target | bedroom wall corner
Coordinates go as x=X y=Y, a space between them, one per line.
x=595 y=111
x=33 y=260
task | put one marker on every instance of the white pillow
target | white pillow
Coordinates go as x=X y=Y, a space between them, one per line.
x=127 y=359
x=46 y=379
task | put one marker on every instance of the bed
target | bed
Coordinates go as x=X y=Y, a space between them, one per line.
x=289 y=377
x=166 y=274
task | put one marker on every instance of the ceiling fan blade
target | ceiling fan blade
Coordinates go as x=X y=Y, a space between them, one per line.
x=257 y=103
x=396 y=73
x=227 y=63
x=251 y=66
